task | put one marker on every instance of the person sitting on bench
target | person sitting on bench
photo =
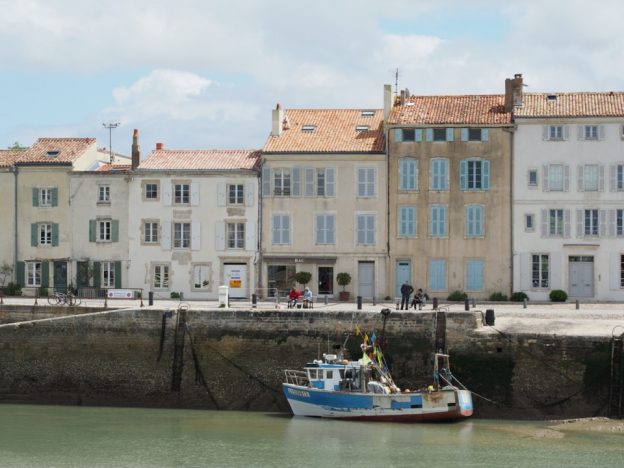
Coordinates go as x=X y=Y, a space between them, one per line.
x=419 y=299
x=293 y=297
x=307 y=298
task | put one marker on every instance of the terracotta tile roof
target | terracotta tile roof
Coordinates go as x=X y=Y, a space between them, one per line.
x=9 y=156
x=470 y=109
x=587 y=104
x=114 y=168
x=56 y=150
x=334 y=132
x=201 y=160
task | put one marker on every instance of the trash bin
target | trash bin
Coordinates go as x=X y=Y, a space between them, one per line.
x=224 y=292
x=489 y=317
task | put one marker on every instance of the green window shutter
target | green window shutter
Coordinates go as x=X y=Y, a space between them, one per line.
x=20 y=274
x=35 y=196
x=92 y=230
x=54 y=196
x=117 y=275
x=55 y=235
x=45 y=274
x=33 y=235
x=96 y=274
x=115 y=230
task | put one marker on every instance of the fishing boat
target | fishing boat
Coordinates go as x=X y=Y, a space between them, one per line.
x=333 y=387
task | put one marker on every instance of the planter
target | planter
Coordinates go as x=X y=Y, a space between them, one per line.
x=343 y=295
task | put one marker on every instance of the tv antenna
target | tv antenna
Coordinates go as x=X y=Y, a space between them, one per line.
x=396 y=82
x=110 y=126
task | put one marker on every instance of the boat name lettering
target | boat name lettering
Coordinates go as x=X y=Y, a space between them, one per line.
x=300 y=393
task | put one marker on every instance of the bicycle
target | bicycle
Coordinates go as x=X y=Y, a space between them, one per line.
x=58 y=298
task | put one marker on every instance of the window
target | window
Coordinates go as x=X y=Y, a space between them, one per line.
x=439 y=174
x=281 y=229
x=555 y=222
x=201 y=276
x=590 y=225
x=555 y=132
x=408 y=174
x=181 y=235
x=590 y=177
x=540 y=270
x=590 y=132
x=45 y=197
x=556 y=177
x=151 y=191
x=474 y=275
x=407 y=221
x=365 y=182
x=181 y=194
x=407 y=134
x=320 y=182
x=438 y=221
x=104 y=230
x=474 y=221
x=474 y=174
x=45 y=234
x=619 y=222
x=236 y=194
x=236 y=235
x=532 y=177
x=529 y=223
x=621 y=271
x=439 y=134
x=474 y=134
x=104 y=194
x=619 y=177
x=326 y=228
x=366 y=229
x=160 y=277
x=33 y=273
x=437 y=275
x=281 y=182
x=108 y=274
x=150 y=232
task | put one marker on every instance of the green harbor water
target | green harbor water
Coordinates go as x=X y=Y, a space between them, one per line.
x=58 y=436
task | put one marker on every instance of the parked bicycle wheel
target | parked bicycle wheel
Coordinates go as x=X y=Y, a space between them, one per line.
x=54 y=299
x=73 y=300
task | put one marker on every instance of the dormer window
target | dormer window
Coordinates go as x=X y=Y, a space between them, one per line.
x=52 y=153
x=308 y=128
x=362 y=128
x=551 y=97
x=368 y=113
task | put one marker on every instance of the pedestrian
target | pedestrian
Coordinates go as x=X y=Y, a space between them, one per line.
x=406 y=292
x=419 y=299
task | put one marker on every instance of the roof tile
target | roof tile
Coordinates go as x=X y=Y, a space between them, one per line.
x=201 y=160
x=586 y=104
x=67 y=150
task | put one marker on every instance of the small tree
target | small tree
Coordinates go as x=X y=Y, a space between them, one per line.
x=343 y=279
x=558 y=295
x=303 y=277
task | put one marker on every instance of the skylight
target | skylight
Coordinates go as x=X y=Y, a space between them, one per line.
x=53 y=153
x=308 y=128
x=551 y=97
x=368 y=113
x=362 y=128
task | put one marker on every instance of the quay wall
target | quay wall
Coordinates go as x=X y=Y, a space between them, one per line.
x=234 y=359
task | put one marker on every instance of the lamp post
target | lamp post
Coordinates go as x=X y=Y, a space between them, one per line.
x=110 y=126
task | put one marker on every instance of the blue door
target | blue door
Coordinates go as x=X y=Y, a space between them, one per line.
x=403 y=273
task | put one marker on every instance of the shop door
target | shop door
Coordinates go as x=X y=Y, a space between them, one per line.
x=325 y=281
x=60 y=276
x=403 y=274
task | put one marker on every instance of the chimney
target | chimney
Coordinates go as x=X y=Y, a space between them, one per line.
x=513 y=92
x=277 y=119
x=402 y=97
x=387 y=100
x=136 y=150
x=159 y=146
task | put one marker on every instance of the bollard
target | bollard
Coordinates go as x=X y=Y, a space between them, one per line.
x=435 y=302
x=1 y=299
x=489 y=317
x=150 y=298
x=374 y=302
x=326 y=300
x=474 y=303
x=182 y=297
x=397 y=305
x=359 y=303
x=254 y=301
x=577 y=304
x=141 y=297
x=524 y=303
x=106 y=301
x=36 y=303
x=466 y=304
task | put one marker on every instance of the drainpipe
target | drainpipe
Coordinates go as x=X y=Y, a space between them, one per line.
x=512 y=132
x=15 y=234
x=260 y=229
x=389 y=276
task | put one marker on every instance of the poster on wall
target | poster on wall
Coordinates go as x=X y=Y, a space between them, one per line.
x=236 y=278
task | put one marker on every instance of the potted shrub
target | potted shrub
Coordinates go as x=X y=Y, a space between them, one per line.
x=558 y=295
x=343 y=279
x=303 y=277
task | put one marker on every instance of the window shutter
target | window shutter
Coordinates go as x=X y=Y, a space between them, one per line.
x=35 y=196
x=296 y=182
x=602 y=223
x=97 y=276
x=486 y=175
x=450 y=134
x=54 y=196
x=566 y=132
x=55 y=234
x=566 y=178
x=614 y=272
x=115 y=230
x=429 y=134
x=545 y=177
x=580 y=178
x=20 y=273
x=220 y=235
x=275 y=229
x=166 y=192
x=45 y=274
x=485 y=134
x=463 y=132
x=579 y=223
x=612 y=218
x=194 y=193
x=34 y=235
x=612 y=178
x=331 y=229
x=165 y=235
x=250 y=236
x=195 y=235
x=266 y=181
x=308 y=188
x=117 y=275
x=286 y=229
x=546 y=132
x=467 y=221
x=580 y=132
x=555 y=270
x=601 y=132
x=249 y=194
x=566 y=223
x=92 y=230
x=601 y=178
x=463 y=175
x=398 y=134
x=525 y=271
x=544 y=223
x=418 y=134
x=221 y=195
x=330 y=182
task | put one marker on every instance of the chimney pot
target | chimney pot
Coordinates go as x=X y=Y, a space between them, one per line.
x=136 y=150
x=159 y=146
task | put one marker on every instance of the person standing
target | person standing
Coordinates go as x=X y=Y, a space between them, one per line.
x=406 y=292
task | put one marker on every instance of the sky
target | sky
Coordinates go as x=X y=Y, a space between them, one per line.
x=205 y=74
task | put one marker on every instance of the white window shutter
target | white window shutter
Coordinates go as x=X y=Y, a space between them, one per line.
x=545 y=132
x=566 y=132
x=165 y=235
x=602 y=223
x=166 y=187
x=249 y=194
x=250 y=236
x=580 y=177
x=601 y=132
x=330 y=182
x=544 y=223
x=220 y=235
x=580 y=132
x=266 y=181
x=195 y=235
x=195 y=193
x=296 y=182
x=221 y=194
x=566 y=223
x=601 y=178
x=545 y=177
x=612 y=178
x=614 y=272
x=566 y=178
x=612 y=216
x=308 y=190
x=579 y=223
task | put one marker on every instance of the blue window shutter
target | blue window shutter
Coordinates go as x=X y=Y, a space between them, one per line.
x=117 y=275
x=35 y=196
x=429 y=134
x=486 y=174
x=418 y=134
x=474 y=275
x=450 y=132
x=444 y=221
x=54 y=196
x=479 y=221
x=45 y=274
x=55 y=234
x=398 y=134
x=468 y=221
x=485 y=134
x=296 y=182
x=464 y=134
x=463 y=175
x=92 y=230
x=34 y=234
x=20 y=273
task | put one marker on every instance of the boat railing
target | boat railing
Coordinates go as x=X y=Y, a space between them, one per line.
x=297 y=377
